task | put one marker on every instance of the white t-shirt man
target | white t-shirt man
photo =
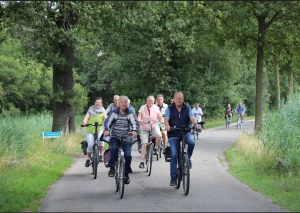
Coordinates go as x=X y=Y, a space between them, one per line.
x=197 y=112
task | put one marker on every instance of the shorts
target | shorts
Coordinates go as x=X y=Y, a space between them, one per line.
x=163 y=130
x=145 y=134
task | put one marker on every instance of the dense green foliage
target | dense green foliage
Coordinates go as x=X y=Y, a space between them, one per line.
x=207 y=50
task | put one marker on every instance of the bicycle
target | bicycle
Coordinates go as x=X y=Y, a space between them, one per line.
x=120 y=167
x=95 y=156
x=239 y=122
x=228 y=120
x=195 y=132
x=183 y=165
x=150 y=148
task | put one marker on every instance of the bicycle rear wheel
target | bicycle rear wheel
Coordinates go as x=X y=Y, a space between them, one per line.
x=95 y=160
x=185 y=174
x=149 y=159
x=121 y=177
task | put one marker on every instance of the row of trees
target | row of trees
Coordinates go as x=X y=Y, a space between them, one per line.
x=214 y=52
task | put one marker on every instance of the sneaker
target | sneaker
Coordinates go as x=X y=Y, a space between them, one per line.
x=155 y=150
x=126 y=179
x=101 y=158
x=190 y=164
x=139 y=150
x=87 y=163
x=173 y=182
x=111 y=172
x=142 y=165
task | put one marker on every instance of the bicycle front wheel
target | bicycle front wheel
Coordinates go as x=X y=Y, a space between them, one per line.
x=149 y=159
x=185 y=174
x=121 y=177
x=95 y=160
x=116 y=176
x=179 y=169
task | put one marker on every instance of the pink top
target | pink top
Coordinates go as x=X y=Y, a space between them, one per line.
x=148 y=115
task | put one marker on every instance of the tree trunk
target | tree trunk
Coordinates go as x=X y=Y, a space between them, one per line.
x=277 y=84
x=259 y=72
x=63 y=79
x=290 y=78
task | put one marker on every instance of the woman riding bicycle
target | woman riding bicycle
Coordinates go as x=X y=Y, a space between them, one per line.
x=120 y=122
x=95 y=113
x=149 y=112
x=228 y=111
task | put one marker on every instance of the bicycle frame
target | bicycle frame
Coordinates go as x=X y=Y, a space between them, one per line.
x=239 y=122
x=95 y=155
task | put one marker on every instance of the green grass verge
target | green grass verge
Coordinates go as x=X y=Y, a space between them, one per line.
x=283 y=190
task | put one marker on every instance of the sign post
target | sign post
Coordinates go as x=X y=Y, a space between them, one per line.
x=51 y=135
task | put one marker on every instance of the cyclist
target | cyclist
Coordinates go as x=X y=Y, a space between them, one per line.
x=197 y=112
x=131 y=107
x=113 y=105
x=178 y=114
x=228 y=111
x=120 y=122
x=96 y=113
x=151 y=113
x=240 y=109
x=162 y=108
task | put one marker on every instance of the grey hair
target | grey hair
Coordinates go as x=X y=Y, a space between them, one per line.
x=160 y=95
x=123 y=97
x=116 y=96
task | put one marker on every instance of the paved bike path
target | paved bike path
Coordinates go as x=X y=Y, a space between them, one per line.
x=212 y=188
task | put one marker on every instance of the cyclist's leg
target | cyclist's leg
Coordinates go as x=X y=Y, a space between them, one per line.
x=174 y=144
x=157 y=134
x=128 y=158
x=189 y=140
x=89 y=150
x=144 y=142
x=113 y=151
x=101 y=145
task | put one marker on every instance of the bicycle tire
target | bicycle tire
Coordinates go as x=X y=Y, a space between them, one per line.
x=150 y=159
x=116 y=177
x=121 y=177
x=178 y=174
x=185 y=174
x=95 y=160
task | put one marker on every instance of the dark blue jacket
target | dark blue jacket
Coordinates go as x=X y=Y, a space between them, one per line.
x=178 y=119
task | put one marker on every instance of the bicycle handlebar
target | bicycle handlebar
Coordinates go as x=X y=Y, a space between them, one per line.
x=88 y=124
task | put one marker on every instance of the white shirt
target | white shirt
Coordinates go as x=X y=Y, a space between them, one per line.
x=198 y=113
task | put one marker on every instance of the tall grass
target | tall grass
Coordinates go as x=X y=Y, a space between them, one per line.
x=280 y=136
x=28 y=166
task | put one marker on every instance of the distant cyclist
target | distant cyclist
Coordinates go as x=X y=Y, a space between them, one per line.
x=228 y=111
x=162 y=108
x=197 y=112
x=240 y=109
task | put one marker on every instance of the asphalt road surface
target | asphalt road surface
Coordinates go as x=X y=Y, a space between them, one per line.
x=212 y=188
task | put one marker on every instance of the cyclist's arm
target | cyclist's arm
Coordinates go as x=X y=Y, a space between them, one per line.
x=166 y=119
x=193 y=119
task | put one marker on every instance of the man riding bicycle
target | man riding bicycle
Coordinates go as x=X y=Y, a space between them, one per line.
x=240 y=109
x=179 y=114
